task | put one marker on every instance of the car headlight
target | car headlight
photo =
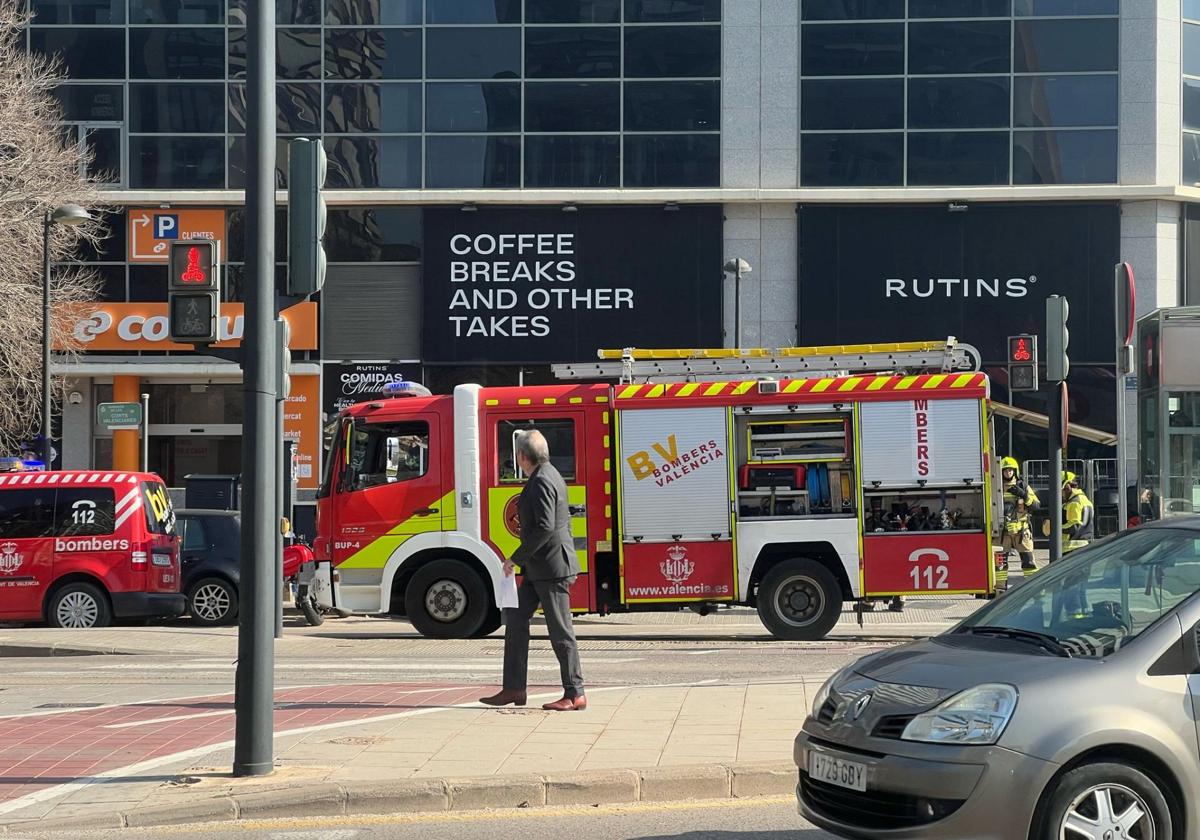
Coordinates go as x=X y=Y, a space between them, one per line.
x=824 y=691
x=975 y=716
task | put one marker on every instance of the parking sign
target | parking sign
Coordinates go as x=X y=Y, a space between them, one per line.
x=152 y=230
x=166 y=226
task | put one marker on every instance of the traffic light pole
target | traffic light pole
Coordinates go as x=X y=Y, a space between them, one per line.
x=253 y=752
x=1054 y=413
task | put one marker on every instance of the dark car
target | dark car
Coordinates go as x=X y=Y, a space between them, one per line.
x=210 y=547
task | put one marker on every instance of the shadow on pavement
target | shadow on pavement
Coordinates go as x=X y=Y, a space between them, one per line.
x=798 y=834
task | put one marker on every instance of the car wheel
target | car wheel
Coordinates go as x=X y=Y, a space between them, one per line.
x=1104 y=801
x=447 y=599
x=78 y=606
x=799 y=600
x=213 y=601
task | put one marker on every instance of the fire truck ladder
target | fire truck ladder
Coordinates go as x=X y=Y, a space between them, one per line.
x=633 y=365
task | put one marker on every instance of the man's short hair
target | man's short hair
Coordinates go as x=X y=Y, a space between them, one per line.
x=532 y=444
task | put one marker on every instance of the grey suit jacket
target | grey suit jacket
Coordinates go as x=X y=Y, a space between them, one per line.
x=547 y=550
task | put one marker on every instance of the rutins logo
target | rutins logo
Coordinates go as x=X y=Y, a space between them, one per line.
x=677 y=568
x=10 y=560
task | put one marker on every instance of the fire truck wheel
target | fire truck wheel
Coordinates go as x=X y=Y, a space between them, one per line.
x=799 y=600
x=447 y=599
x=78 y=606
x=490 y=625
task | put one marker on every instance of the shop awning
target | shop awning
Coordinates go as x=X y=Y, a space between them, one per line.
x=1033 y=418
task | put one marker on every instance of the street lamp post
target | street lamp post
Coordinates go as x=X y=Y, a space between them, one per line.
x=70 y=215
x=737 y=267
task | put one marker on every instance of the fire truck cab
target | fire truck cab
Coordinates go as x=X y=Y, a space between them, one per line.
x=791 y=494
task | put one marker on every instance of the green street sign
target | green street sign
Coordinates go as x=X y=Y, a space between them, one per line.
x=119 y=415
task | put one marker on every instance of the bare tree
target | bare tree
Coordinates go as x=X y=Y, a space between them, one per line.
x=40 y=169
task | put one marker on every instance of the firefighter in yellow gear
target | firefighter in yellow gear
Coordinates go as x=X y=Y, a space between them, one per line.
x=1078 y=523
x=1019 y=501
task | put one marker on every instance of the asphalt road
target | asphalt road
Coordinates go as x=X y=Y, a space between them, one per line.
x=770 y=818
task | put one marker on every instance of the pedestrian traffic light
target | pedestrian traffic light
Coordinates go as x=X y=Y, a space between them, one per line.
x=194 y=291
x=306 y=217
x=1022 y=363
x=1057 y=339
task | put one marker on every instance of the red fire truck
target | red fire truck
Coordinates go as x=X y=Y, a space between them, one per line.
x=792 y=480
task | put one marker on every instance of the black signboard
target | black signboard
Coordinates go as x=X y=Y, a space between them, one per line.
x=347 y=383
x=979 y=272
x=526 y=286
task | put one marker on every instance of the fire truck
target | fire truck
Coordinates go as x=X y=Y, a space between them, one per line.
x=791 y=480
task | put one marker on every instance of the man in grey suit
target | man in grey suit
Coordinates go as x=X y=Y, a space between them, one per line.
x=549 y=566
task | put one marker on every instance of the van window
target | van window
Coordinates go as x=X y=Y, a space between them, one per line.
x=26 y=513
x=560 y=437
x=384 y=453
x=84 y=512
x=194 y=538
x=160 y=516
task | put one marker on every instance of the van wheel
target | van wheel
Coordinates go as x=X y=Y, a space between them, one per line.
x=213 y=601
x=78 y=606
x=799 y=600
x=1108 y=800
x=447 y=599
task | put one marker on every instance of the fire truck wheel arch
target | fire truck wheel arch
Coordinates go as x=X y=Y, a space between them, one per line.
x=431 y=546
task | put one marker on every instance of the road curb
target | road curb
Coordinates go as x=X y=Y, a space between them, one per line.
x=8 y=649
x=329 y=799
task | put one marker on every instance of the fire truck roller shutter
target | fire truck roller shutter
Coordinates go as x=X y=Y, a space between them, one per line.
x=915 y=441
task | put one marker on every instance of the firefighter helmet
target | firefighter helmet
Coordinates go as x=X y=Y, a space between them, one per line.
x=1069 y=477
x=1008 y=462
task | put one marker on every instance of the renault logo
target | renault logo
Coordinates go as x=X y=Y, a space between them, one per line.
x=859 y=706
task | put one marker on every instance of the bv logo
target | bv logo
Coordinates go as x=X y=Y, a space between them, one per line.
x=166 y=226
x=10 y=560
x=677 y=568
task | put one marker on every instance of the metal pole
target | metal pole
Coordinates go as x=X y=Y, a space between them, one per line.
x=1056 y=467
x=46 y=401
x=1122 y=478
x=280 y=513
x=145 y=433
x=737 y=307
x=255 y=681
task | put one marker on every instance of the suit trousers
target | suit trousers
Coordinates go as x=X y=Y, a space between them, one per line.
x=554 y=597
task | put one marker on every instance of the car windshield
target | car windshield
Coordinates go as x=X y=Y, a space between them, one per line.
x=1095 y=601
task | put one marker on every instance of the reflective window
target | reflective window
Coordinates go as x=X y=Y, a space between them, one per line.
x=297 y=108
x=105 y=146
x=959 y=47
x=958 y=8
x=193 y=12
x=112 y=282
x=672 y=106
x=371 y=12
x=183 y=162
x=849 y=160
x=1191 y=103
x=183 y=53
x=851 y=9
x=1191 y=49
x=863 y=49
x=672 y=11
x=85 y=511
x=373 y=54
x=1191 y=9
x=473 y=53
x=26 y=513
x=560 y=439
x=382 y=454
x=1032 y=8
x=573 y=106
x=572 y=11
x=237 y=169
x=1066 y=45
x=89 y=103
x=364 y=162
x=958 y=103
x=1191 y=158
x=148 y=283
x=473 y=106
x=567 y=53
x=472 y=11
x=1064 y=157
x=1067 y=100
x=472 y=162
x=373 y=234
x=90 y=53
x=288 y=12
x=944 y=159
x=852 y=103
x=672 y=51
x=672 y=160
x=297 y=53
x=85 y=12
x=173 y=108
x=573 y=161
x=386 y=107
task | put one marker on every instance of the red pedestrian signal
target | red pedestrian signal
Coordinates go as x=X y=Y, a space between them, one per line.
x=1020 y=349
x=193 y=273
x=194 y=264
x=1022 y=363
x=194 y=291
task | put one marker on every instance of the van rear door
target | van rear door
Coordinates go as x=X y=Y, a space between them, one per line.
x=162 y=544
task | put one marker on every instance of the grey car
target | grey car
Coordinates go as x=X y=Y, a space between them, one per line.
x=1065 y=709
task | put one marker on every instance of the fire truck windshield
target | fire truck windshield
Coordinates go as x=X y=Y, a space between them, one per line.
x=383 y=453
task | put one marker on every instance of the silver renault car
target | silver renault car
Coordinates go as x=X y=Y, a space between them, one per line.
x=1066 y=709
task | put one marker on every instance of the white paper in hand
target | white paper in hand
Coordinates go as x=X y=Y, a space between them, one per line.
x=508 y=592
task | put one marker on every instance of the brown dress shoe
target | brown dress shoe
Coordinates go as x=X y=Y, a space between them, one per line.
x=505 y=698
x=567 y=704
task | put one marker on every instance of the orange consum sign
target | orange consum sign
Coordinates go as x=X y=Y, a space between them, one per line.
x=152 y=230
